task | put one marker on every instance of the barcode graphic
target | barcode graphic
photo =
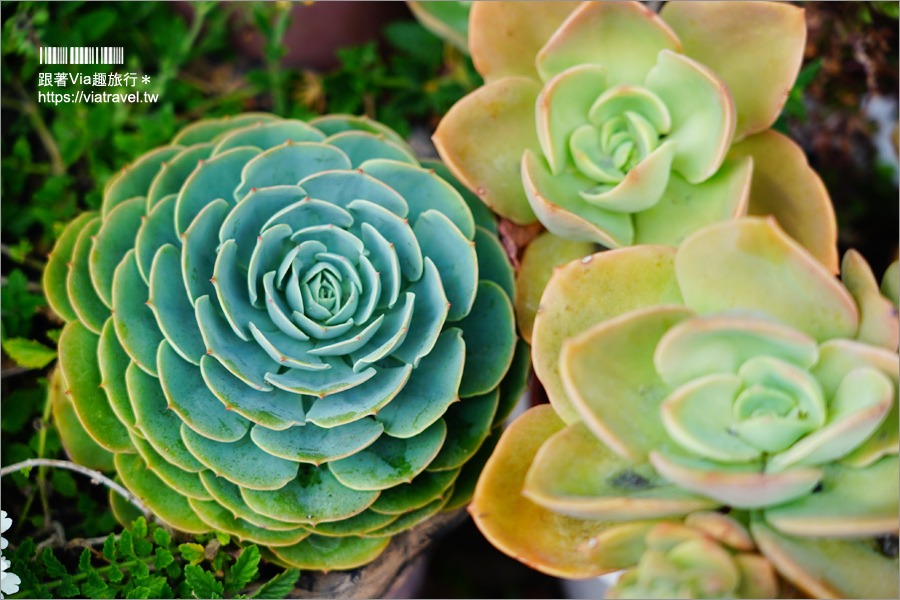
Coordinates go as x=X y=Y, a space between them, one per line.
x=83 y=55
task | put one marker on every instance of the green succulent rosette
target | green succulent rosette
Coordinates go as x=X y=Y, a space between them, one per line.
x=734 y=373
x=616 y=126
x=710 y=555
x=447 y=19
x=291 y=332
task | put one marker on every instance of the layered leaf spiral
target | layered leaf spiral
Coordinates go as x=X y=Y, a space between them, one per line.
x=290 y=332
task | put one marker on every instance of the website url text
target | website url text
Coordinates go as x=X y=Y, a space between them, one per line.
x=81 y=97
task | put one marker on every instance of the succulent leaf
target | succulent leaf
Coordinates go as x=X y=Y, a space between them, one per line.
x=184 y=482
x=769 y=272
x=755 y=33
x=209 y=129
x=541 y=257
x=878 y=324
x=447 y=20
x=421 y=491
x=527 y=29
x=88 y=307
x=482 y=138
x=785 y=187
x=322 y=552
x=650 y=274
x=575 y=474
x=625 y=388
x=134 y=180
x=468 y=424
x=625 y=38
x=556 y=544
x=79 y=445
x=221 y=519
x=113 y=362
x=171 y=507
x=174 y=172
x=81 y=373
x=134 y=321
x=830 y=567
x=56 y=271
x=266 y=135
x=852 y=503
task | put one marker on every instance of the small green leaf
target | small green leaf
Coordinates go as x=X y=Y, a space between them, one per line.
x=246 y=568
x=21 y=407
x=139 y=527
x=93 y=587
x=20 y=251
x=29 y=353
x=203 y=583
x=218 y=561
x=140 y=569
x=18 y=304
x=115 y=574
x=279 y=586
x=84 y=561
x=126 y=547
x=55 y=568
x=162 y=537
x=64 y=483
x=66 y=588
x=109 y=547
x=888 y=9
x=158 y=586
x=193 y=553
x=174 y=570
x=224 y=538
x=139 y=592
x=163 y=558
x=808 y=73
x=143 y=547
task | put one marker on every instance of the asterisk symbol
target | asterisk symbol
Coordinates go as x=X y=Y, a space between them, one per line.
x=145 y=79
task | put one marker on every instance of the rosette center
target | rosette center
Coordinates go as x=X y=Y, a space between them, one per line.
x=626 y=125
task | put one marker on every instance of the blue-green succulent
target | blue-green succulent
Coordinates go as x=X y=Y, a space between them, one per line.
x=291 y=332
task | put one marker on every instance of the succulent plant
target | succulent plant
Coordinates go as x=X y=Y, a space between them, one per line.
x=271 y=323
x=613 y=125
x=733 y=372
x=710 y=555
x=447 y=19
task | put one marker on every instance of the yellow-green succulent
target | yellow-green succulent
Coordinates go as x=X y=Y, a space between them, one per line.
x=733 y=373
x=611 y=124
x=709 y=555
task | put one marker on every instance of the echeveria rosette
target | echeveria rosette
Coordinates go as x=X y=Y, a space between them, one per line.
x=710 y=555
x=291 y=332
x=733 y=372
x=611 y=124
x=447 y=19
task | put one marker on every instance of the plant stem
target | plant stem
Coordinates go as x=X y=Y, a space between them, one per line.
x=28 y=106
x=42 y=470
x=274 y=51
x=12 y=371
x=34 y=263
x=31 y=286
x=79 y=576
x=96 y=477
x=170 y=67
